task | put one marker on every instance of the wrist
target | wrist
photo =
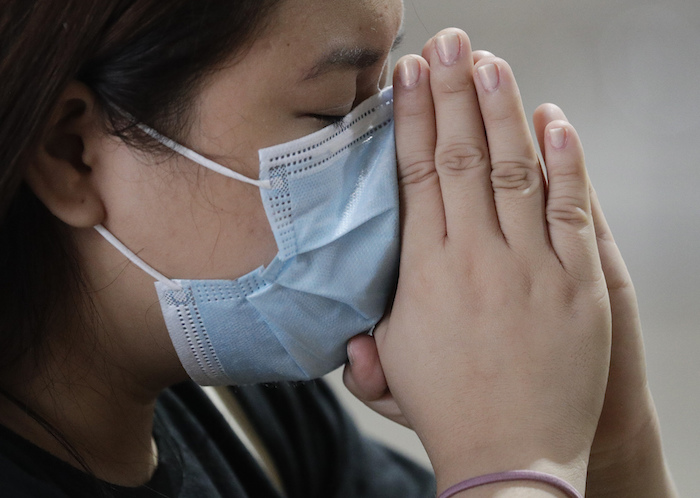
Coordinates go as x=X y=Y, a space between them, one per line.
x=634 y=467
x=521 y=483
x=452 y=468
x=513 y=490
x=522 y=488
x=491 y=444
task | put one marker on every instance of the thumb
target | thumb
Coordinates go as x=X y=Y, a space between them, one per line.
x=363 y=375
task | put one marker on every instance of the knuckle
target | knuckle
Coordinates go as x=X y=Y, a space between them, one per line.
x=589 y=291
x=453 y=86
x=606 y=237
x=515 y=174
x=416 y=169
x=620 y=282
x=461 y=157
x=568 y=210
x=570 y=175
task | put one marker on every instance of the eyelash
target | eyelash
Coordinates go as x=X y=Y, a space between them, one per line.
x=328 y=119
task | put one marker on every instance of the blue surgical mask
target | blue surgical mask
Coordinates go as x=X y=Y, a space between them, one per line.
x=331 y=199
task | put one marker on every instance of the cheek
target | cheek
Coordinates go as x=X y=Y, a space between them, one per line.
x=186 y=221
x=233 y=217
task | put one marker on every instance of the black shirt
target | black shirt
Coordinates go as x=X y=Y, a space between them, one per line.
x=314 y=444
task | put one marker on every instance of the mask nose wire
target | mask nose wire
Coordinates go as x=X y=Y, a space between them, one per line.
x=131 y=256
x=201 y=160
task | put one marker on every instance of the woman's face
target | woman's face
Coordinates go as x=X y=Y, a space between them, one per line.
x=317 y=58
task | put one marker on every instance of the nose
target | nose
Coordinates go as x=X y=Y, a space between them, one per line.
x=372 y=80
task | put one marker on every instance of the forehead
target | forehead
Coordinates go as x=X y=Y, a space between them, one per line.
x=274 y=75
x=319 y=25
x=338 y=14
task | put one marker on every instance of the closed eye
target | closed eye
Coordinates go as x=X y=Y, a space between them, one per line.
x=329 y=119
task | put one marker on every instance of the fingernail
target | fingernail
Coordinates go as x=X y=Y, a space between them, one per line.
x=558 y=137
x=351 y=354
x=449 y=45
x=409 y=72
x=490 y=79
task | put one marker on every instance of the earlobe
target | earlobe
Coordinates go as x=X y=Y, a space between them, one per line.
x=60 y=174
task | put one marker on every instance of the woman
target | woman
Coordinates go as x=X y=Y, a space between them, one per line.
x=497 y=347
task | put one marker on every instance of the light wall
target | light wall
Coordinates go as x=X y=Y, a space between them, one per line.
x=627 y=74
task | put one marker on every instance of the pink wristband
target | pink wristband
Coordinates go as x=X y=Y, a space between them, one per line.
x=513 y=475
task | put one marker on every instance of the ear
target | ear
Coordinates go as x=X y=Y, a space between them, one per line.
x=60 y=174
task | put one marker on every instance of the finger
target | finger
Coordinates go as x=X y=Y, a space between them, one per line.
x=363 y=376
x=627 y=367
x=481 y=54
x=617 y=276
x=516 y=176
x=423 y=215
x=387 y=407
x=543 y=115
x=614 y=268
x=477 y=55
x=461 y=154
x=569 y=215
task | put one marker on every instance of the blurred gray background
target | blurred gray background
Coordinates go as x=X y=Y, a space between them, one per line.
x=627 y=74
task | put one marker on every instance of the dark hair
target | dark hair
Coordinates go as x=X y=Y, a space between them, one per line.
x=145 y=57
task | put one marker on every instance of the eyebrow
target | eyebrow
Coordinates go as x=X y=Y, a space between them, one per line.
x=349 y=58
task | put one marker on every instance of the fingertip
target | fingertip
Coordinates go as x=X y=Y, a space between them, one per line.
x=350 y=373
x=487 y=73
x=430 y=46
x=427 y=48
x=363 y=375
x=350 y=350
x=349 y=381
x=564 y=149
x=502 y=64
x=550 y=109
x=408 y=71
x=543 y=115
x=362 y=352
x=546 y=113
x=560 y=134
x=557 y=135
x=481 y=54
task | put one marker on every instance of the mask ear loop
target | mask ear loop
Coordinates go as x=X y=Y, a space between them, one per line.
x=201 y=160
x=131 y=256
x=385 y=70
